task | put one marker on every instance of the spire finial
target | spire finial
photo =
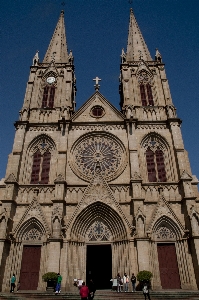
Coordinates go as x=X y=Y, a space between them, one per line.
x=97 y=86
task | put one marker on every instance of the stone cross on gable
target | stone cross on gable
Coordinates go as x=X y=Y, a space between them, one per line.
x=97 y=86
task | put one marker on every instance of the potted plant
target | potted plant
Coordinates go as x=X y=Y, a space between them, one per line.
x=144 y=276
x=51 y=279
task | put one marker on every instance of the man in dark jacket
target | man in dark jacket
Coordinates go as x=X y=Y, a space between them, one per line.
x=92 y=289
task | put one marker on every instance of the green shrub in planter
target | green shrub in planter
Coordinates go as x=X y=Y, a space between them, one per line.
x=51 y=279
x=144 y=276
x=50 y=276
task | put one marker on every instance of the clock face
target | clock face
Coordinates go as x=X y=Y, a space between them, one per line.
x=50 y=80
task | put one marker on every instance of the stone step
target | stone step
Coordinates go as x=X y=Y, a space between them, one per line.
x=102 y=295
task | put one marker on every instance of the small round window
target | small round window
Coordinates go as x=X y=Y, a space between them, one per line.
x=97 y=111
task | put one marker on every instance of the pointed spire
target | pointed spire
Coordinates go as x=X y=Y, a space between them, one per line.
x=136 y=47
x=57 y=49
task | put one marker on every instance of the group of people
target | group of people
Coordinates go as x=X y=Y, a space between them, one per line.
x=123 y=284
x=88 y=291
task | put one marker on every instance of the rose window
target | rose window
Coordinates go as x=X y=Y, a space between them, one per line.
x=100 y=152
x=99 y=232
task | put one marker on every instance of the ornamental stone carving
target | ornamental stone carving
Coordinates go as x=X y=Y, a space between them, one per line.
x=164 y=233
x=33 y=235
x=98 y=232
x=98 y=150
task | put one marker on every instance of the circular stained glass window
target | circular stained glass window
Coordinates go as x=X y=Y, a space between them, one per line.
x=101 y=151
x=97 y=111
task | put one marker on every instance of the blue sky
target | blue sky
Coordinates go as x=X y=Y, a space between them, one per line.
x=96 y=32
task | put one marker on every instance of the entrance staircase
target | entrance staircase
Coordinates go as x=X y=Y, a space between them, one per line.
x=103 y=295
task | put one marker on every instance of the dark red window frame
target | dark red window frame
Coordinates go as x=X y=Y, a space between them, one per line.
x=48 y=97
x=160 y=165
x=45 y=168
x=151 y=165
x=36 y=167
x=97 y=111
x=146 y=95
x=155 y=166
x=40 y=163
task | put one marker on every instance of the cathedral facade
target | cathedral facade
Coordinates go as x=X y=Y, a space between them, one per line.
x=97 y=191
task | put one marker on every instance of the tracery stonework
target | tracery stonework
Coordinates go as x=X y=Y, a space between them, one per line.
x=32 y=235
x=164 y=233
x=98 y=150
x=144 y=77
x=99 y=232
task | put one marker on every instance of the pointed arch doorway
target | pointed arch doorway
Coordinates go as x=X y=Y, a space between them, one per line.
x=99 y=265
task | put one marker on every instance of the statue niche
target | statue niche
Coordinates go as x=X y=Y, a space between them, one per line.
x=56 y=222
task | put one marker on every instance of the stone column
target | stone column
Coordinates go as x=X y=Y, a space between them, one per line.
x=54 y=252
x=143 y=253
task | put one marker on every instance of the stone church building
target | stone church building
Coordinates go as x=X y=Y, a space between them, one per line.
x=97 y=191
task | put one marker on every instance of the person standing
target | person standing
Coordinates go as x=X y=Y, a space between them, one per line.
x=125 y=282
x=84 y=292
x=92 y=289
x=146 y=291
x=119 y=282
x=133 y=281
x=58 y=286
x=12 y=283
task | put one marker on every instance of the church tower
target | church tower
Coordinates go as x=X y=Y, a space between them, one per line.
x=163 y=189
x=99 y=182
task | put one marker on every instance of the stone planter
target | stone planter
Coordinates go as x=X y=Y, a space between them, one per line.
x=50 y=286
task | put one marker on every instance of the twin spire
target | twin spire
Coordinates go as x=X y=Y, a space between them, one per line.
x=57 y=49
x=136 y=46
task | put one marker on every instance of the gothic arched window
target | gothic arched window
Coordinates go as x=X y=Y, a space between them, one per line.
x=48 y=97
x=40 y=167
x=144 y=79
x=155 y=165
x=146 y=95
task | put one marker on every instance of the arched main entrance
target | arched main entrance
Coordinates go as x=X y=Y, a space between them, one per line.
x=99 y=237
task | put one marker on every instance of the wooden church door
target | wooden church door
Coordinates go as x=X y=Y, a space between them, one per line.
x=30 y=265
x=169 y=273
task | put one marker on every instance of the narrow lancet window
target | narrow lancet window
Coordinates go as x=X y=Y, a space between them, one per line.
x=36 y=167
x=40 y=168
x=48 y=97
x=155 y=165
x=143 y=95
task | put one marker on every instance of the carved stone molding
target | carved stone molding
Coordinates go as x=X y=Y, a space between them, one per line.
x=151 y=126
x=43 y=128
x=98 y=127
